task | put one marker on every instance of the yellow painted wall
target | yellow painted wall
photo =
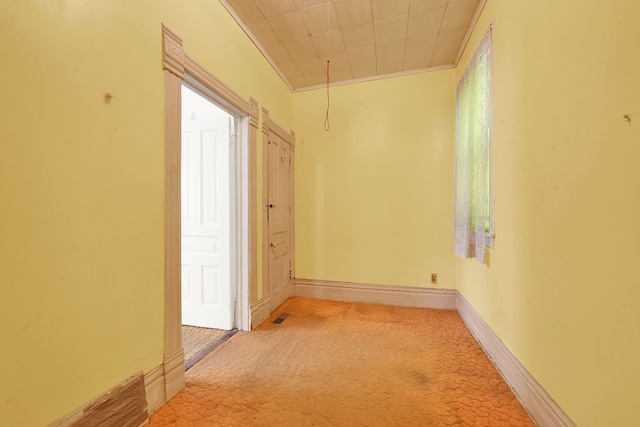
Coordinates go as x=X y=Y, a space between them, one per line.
x=373 y=195
x=561 y=288
x=82 y=191
x=82 y=188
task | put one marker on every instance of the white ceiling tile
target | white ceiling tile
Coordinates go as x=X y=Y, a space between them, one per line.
x=246 y=10
x=300 y=48
x=420 y=45
x=363 y=61
x=316 y=78
x=353 y=12
x=389 y=67
x=316 y=18
x=385 y=9
x=362 y=55
x=362 y=71
x=390 y=30
x=303 y=4
x=310 y=65
x=271 y=8
x=277 y=52
x=288 y=26
x=446 y=57
x=416 y=62
x=362 y=38
x=262 y=30
x=290 y=69
x=341 y=75
x=328 y=43
x=298 y=81
x=339 y=61
x=473 y=3
x=458 y=16
x=390 y=57
x=358 y=36
x=422 y=5
x=450 y=40
x=427 y=22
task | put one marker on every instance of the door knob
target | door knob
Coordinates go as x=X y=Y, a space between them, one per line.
x=271 y=205
x=273 y=245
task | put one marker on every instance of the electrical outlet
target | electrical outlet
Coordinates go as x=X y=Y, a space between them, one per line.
x=434 y=278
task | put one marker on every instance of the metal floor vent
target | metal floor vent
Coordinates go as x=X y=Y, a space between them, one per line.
x=281 y=318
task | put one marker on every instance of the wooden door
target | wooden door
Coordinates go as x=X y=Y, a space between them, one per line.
x=279 y=220
x=207 y=288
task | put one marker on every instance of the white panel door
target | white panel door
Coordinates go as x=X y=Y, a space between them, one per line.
x=279 y=218
x=207 y=296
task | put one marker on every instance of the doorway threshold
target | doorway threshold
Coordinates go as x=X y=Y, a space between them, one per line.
x=198 y=357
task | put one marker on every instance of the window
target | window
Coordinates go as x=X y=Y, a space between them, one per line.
x=473 y=189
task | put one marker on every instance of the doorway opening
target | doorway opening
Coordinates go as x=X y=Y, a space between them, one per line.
x=209 y=208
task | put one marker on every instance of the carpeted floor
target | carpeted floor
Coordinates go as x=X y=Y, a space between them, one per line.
x=347 y=364
x=195 y=339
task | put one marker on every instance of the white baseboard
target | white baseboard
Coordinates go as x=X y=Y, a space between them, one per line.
x=163 y=382
x=405 y=296
x=541 y=407
x=260 y=311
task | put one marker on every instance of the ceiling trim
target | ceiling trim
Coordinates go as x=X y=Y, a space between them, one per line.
x=254 y=40
x=467 y=36
x=277 y=69
x=378 y=77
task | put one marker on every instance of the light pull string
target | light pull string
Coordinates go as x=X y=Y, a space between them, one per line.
x=326 y=117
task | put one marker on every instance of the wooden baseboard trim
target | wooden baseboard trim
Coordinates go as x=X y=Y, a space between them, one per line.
x=406 y=296
x=154 y=389
x=124 y=405
x=174 y=379
x=541 y=407
x=260 y=311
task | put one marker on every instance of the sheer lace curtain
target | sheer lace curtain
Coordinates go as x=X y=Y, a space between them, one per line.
x=473 y=144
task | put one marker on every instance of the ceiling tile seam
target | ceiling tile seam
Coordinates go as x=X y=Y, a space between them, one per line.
x=472 y=26
x=375 y=43
x=225 y=4
x=310 y=39
x=406 y=37
x=433 y=52
x=293 y=60
x=377 y=77
x=301 y=76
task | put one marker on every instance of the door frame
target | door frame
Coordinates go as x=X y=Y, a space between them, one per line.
x=178 y=67
x=268 y=127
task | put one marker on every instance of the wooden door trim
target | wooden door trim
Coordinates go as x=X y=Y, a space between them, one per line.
x=177 y=66
x=265 y=211
x=269 y=126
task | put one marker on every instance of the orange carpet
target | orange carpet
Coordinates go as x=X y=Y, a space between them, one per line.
x=347 y=364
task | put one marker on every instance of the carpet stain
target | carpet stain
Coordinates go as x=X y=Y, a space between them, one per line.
x=347 y=364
